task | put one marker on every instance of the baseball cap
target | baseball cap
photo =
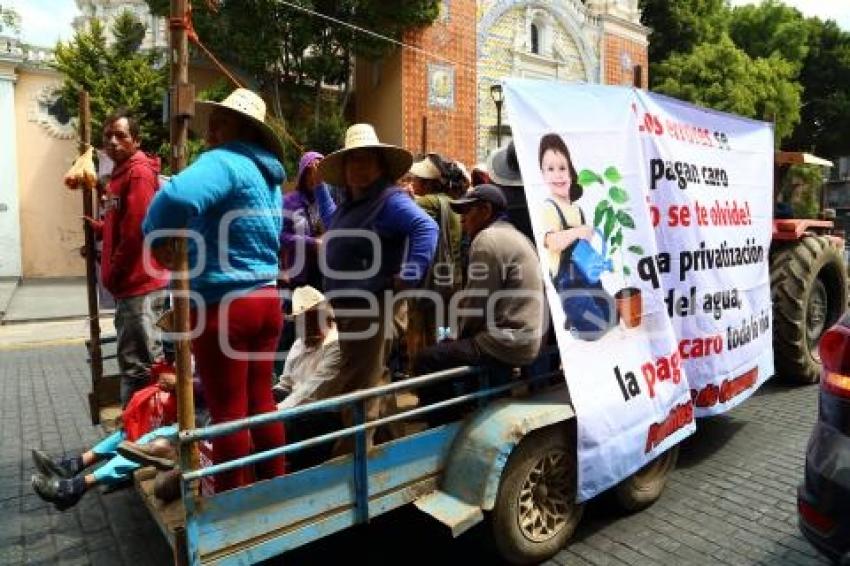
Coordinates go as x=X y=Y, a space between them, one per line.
x=481 y=193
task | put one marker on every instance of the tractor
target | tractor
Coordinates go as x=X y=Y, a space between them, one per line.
x=808 y=279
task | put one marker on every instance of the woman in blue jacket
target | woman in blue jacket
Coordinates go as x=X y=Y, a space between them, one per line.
x=392 y=252
x=230 y=202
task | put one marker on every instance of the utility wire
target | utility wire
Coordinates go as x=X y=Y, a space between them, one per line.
x=373 y=34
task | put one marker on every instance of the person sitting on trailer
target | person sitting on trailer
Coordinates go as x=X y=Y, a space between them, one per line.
x=503 y=268
x=136 y=286
x=63 y=481
x=230 y=200
x=312 y=364
x=310 y=373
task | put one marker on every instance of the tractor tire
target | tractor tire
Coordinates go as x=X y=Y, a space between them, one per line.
x=535 y=513
x=644 y=487
x=808 y=286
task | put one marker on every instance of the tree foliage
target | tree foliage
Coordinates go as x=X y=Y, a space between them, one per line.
x=721 y=76
x=680 y=25
x=765 y=61
x=115 y=75
x=273 y=41
x=825 y=77
x=290 y=55
x=771 y=28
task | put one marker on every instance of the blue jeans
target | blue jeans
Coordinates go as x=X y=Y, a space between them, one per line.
x=118 y=468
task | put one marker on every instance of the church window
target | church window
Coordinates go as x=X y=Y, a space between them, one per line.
x=535 y=39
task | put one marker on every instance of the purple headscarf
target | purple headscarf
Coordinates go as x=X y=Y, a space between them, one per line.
x=305 y=162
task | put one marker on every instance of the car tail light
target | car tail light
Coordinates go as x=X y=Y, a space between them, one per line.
x=835 y=355
x=837 y=384
x=815 y=518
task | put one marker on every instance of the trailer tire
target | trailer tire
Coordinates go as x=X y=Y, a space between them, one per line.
x=808 y=285
x=535 y=512
x=644 y=487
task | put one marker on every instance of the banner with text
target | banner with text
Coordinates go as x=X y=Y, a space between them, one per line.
x=652 y=218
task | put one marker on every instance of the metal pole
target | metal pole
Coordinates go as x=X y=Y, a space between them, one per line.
x=181 y=109
x=95 y=354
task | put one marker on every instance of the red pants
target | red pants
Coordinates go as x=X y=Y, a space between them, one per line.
x=237 y=388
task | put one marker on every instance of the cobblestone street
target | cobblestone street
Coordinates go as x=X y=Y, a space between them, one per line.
x=730 y=501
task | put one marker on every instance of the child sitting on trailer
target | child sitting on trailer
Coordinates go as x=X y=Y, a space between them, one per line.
x=148 y=421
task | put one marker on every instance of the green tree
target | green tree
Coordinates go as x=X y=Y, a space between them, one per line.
x=129 y=33
x=291 y=55
x=722 y=76
x=116 y=75
x=771 y=28
x=680 y=25
x=9 y=19
x=825 y=77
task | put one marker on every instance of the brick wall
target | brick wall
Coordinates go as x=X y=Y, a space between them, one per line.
x=615 y=47
x=451 y=130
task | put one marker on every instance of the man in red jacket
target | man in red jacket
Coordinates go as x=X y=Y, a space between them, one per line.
x=138 y=291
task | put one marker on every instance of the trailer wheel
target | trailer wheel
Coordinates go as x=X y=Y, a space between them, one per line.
x=808 y=284
x=644 y=487
x=535 y=512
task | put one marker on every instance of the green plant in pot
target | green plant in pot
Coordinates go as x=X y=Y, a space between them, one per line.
x=611 y=219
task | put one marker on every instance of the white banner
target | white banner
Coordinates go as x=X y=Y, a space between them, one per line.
x=652 y=218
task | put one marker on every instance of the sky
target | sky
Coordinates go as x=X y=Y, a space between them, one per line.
x=45 y=21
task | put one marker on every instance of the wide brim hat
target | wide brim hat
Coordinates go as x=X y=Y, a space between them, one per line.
x=425 y=169
x=306 y=298
x=363 y=136
x=246 y=104
x=503 y=167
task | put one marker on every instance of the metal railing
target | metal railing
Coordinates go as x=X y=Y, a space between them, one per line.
x=356 y=401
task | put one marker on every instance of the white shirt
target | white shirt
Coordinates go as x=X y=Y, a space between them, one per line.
x=308 y=373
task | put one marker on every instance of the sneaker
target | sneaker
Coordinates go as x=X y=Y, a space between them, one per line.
x=63 y=493
x=65 y=468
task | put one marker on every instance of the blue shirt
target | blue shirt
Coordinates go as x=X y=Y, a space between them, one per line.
x=230 y=200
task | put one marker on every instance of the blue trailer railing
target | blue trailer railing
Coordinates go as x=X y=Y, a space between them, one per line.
x=269 y=517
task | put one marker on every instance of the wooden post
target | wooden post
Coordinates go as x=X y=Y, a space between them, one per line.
x=181 y=106
x=95 y=353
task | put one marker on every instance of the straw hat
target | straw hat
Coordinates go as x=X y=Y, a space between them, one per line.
x=425 y=169
x=248 y=105
x=306 y=298
x=363 y=136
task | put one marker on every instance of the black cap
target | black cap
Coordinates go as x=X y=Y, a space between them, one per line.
x=481 y=193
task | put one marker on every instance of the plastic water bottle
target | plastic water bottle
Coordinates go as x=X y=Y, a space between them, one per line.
x=443 y=333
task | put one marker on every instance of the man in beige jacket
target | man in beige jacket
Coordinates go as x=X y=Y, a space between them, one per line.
x=499 y=317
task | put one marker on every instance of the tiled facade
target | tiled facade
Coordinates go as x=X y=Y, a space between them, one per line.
x=483 y=41
x=625 y=57
x=438 y=95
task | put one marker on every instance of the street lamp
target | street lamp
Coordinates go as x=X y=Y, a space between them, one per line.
x=498 y=99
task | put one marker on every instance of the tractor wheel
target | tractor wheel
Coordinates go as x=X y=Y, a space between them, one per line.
x=808 y=285
x=644 y=487
x=535 y=512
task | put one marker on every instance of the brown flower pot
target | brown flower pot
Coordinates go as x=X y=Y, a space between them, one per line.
x=629 y=306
